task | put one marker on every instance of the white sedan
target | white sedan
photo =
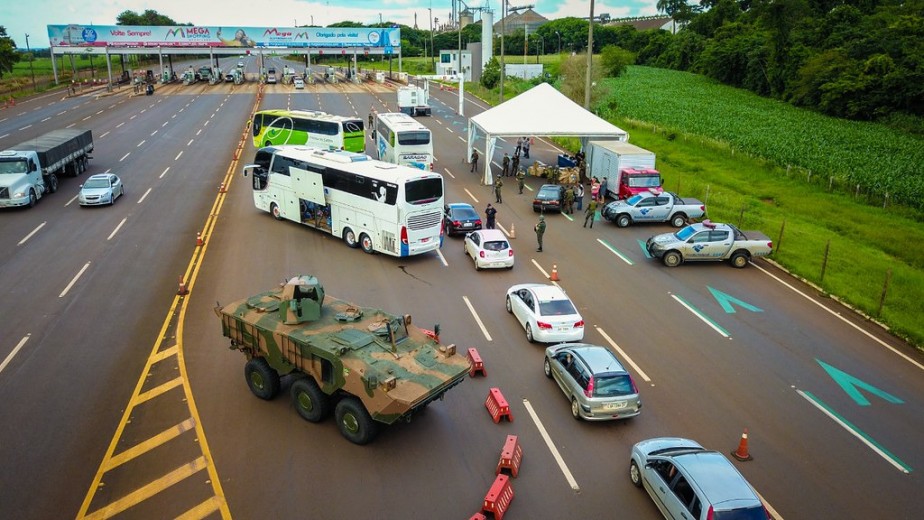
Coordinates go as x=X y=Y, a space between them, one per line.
x=102 y=188
x=546 y=312
x=488 y=248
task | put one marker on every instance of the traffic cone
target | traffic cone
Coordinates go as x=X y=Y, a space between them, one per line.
x=554 y=276
x=199 y=241
x=742 y=452
x=513 y=231
x=182 y=291
x=222 y=188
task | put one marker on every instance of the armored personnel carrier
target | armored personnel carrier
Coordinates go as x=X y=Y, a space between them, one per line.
x=370 y=367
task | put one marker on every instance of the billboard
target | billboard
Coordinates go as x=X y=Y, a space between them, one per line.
x=75 y=35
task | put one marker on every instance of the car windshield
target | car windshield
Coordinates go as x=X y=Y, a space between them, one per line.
x=685 y=233
x=96 y=183
x=750 y=513
x=613 y=385
x=556 y=308
x=496 y=245
x=633 y=200
x=548 y=193
x=463 y=213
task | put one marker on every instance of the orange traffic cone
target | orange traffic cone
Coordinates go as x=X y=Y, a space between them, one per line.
x=513 y=231
x=199 y=241
x=742 y=452
x=182 y=291
x=554 y=276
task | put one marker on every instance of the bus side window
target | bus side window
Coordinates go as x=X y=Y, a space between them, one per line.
x=257 y=124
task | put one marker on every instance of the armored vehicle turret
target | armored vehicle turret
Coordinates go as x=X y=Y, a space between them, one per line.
x=370 y=367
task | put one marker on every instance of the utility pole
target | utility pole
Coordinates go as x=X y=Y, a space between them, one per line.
x=590 y=55
x=31 y=70
x=504 y=12
x=432 y=49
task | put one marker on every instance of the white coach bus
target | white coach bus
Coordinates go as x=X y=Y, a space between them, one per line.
x=401 y=139
x=378 y=206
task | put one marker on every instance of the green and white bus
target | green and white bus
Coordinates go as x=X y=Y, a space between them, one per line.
x=317 y=129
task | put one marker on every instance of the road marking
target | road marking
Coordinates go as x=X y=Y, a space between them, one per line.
x=472 y=196
x=641 y=244
x=177 y=158
x=61 y=113
x=850 y=383
x=624 y=355
x=154 y=132
x=528 y=188
x=856 y=432
x=444 y=169
x=143 y=110
x=4 y=135
x=699 y=314
x=165 y=124
x=845 y=320
x=71 y=125
x=149 y=444
x=567 y=216
x=726 y=301
x=14 y=351
x=124 y=156
x=460 y=137
x=442 y=258
x=116 y=230
x=145 y=195
x=205 y=124
x=100 y=112
x=120 y=124
x=104 y=135
x=141 y=143
x=34 y=231
x=30 y=126
x=184 y=108
x=46 y=119
x=133 y=117
x=74 y=280
x=541 y=270
x=551 y=445
x=165 y=171
x=504 y=231
x=68 y=203
x=773 y=514
x=199 y=131
x=190 y=142
x=477 y=319
x=615 y=252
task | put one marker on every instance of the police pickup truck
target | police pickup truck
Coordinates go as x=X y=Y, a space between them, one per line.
x=709 y=241
x=651 y=207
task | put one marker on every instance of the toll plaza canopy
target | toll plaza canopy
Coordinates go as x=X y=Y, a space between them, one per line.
x=540 y=111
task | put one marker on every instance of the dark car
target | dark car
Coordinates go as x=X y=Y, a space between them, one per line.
x=549 y=198
x=460 y=218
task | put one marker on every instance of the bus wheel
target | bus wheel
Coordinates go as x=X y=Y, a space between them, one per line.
x=275 y=211
x=350 y=238
x=366 y=243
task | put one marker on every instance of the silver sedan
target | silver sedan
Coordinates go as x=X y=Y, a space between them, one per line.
x=102 y=188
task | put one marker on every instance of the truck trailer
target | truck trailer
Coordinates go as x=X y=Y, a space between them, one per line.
x=413 y=100
x=628 y=169
x=30 y=169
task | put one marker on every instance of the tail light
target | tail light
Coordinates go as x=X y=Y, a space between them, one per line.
x=579 y=324
x=702 y=208
x=481 y=254
x=589 y=391
x=770 y=245
x=543 y=325
x=478 y=222
x=456 y=223
x=404 y=235
x=431 y=167
x=510 y=252
x=710 y=514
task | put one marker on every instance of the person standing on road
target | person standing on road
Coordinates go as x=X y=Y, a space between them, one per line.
x=590 y=213
x=474 y=161
x=515 y=163
x=490 y=215
x=521 y=180
x=526 y=147
x=498 y=184
x=505 y=163
x=519 y=146
x=579 y=197
x=602 y=191
x=540 y=230
x=569 y=200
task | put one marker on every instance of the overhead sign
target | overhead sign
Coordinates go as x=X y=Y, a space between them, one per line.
x=226 y=36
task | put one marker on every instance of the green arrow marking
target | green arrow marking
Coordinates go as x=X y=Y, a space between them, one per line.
x=726 y=301
x=851 y=385
x=641 y=244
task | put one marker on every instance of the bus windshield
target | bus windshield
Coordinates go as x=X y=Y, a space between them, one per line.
x=423 y=191
x=415 y=137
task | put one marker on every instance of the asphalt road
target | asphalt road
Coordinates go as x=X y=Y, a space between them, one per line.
x=123 y=399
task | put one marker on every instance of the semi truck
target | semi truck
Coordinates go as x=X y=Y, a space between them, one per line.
x=370 y=368
x=31 y=169
x=413 y=100
x=628 y=169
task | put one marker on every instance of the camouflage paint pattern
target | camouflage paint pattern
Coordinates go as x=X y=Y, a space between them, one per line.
x=344 y=347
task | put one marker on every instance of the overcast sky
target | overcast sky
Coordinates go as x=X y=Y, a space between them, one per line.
x=32 y=16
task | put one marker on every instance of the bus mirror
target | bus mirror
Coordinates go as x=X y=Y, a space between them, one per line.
x=249 y=167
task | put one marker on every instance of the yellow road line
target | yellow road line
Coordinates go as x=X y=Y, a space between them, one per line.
x=148 y=490
x=202 y=510
x=148 y=445
x=154 y=392
x=164 y=354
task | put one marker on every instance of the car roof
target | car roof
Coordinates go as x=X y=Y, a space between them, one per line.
x=460 y=205
x=100 y=176
x=491 y=234
x=550 y=187
x=598 y=359
x=715 y=475
x=548 y=292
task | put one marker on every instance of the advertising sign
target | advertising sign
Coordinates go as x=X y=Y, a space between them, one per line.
x=228 y=36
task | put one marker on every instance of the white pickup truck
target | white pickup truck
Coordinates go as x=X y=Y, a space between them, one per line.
x=651 y=207
x=708 y=241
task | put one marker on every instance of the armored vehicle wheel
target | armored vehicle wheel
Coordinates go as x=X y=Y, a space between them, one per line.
x=354 y=421
x=739 y=259
x=678 y=220
x=262 y=380
x=349 y=237
x=310 y=402
x=623 y=221
x=366 y=243
x=672 y=259
x=275 y=211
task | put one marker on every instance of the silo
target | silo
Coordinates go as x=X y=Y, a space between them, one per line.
x=466 y=17
x=487 y=36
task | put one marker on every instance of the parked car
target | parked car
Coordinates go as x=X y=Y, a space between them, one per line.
x=687 y=481
x=488 y=248
x=298 y=82
x=102 y=188
x=595 y=382
x=709 y=241
x=653 y=207
x=546 y=312
x=460 y=217
x=549 y=198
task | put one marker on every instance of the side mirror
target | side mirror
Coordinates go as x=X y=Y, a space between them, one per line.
x=249 y=167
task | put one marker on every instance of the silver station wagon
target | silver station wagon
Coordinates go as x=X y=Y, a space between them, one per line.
x=591 y=377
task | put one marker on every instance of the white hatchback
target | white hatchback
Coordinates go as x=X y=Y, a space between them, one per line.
x=546 y=312
x=488 y=248
x=299 y=83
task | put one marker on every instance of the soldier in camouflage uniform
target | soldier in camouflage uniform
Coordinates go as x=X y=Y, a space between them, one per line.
x=498 y=184
x=569 y=201
x=521 y=180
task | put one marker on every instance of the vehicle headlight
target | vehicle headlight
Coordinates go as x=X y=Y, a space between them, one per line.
x=19 y=194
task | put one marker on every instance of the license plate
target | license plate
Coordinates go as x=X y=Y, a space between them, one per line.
x=467 y=224
x=425 y=239
x=615 y=406
x=563 y=329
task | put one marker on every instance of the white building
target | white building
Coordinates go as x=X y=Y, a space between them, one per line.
x=449 y=63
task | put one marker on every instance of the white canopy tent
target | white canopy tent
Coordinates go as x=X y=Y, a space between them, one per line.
x=540 y=111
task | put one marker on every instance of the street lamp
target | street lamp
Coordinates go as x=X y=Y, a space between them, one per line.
x=432 y=49
x=31 y=70
x=590 y=55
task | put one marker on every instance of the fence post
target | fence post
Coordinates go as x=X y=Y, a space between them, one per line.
x=824 y=260
x=779 y=242
x=740 y=217
x=885 y=200
x=885 y=289
x=830 y=183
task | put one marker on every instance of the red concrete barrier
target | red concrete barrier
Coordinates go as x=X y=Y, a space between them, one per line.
x=510 y=457
x=497 y=405
x=477 y=365
x=498 y=499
